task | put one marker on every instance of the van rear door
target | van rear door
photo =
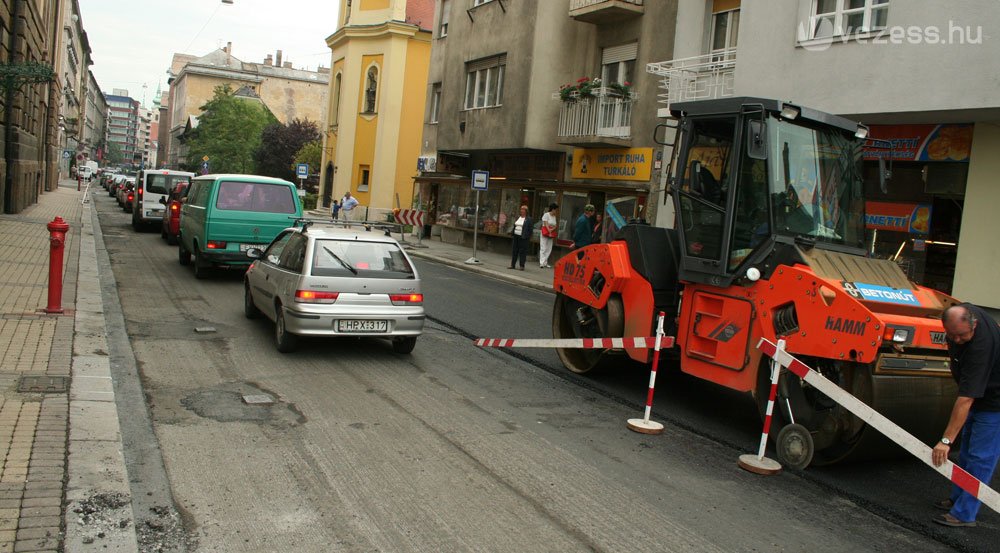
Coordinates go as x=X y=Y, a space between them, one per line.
x=251 y=214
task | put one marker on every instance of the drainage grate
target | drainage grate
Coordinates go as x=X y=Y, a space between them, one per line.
x=43 y=384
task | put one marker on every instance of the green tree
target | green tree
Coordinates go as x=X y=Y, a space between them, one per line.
x=279 y=144
x=113 y=155
x=228 y=132
x=311 y=153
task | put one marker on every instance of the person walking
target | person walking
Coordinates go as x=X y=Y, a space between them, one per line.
x=973 y=339
x=550 y=229
x=349 y=205
x=583 y=228
x=521 y=234
x=597 y=235
x=335 y=210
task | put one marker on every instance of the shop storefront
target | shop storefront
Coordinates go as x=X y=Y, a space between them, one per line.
x=916 y=221
x=535 y=180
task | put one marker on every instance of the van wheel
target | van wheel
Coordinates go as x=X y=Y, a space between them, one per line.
x=283 y=340
x=200 y=265
x=249 y=307
x=404 y=345
x=183 y=256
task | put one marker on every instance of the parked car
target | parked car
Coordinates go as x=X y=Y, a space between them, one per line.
x=226 y=215
x=125 y=189
x=151 y=188
x=328 y=280
x=116 y=180
x=170 y=225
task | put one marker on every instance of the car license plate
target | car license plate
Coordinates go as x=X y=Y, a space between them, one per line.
x=245 y=247
x=355 y=325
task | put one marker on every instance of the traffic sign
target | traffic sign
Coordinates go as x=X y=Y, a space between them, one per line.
x=302 y=170
x=480 y=180
x=205 y=158
x=412 y=217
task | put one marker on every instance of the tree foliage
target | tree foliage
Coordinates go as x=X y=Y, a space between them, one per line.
x=113 y=154
x=280 y=143
x=311 y=153
x=228 y=132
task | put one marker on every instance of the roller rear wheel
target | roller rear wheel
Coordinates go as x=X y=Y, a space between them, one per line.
x=573 y=319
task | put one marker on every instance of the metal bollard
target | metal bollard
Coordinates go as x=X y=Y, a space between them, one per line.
x=57 y=243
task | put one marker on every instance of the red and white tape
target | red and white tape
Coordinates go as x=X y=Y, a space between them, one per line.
x=901 y=437
x=577 y=343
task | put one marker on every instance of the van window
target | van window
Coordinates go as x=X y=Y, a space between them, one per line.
x=369 y=259
x=162 y=184
x=193 y=193
x=255 y=196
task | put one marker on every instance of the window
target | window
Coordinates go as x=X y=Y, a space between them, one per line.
x=336 y=100
x=725 y=32
x=371 y=89
x=435 y=103
x=618 y=64
x=368 y=259
x=255 y=196
x=273 y=253
x=484 y=82
x=365 y=173
x=293 y=254
x=443 y=26
x=847 y=17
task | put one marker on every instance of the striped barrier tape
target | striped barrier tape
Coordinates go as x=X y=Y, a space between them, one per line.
x=577 y=343
x=901 y=437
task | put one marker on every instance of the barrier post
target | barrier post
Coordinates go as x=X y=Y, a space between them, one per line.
x=57 y=243
x=644 y=425
x=758 y=463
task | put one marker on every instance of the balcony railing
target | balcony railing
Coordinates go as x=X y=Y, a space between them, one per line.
x=605 y=113
x=696 y=78
x=604 y=11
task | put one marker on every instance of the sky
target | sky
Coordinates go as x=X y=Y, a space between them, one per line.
x=133 y=41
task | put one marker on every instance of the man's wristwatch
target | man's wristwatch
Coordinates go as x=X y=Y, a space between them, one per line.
x=946 y=442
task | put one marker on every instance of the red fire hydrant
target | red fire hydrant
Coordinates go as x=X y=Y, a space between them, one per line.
x=57 y=243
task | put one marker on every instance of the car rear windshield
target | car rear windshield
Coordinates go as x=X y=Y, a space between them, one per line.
x=350 y=258
x=255 y=196
x=163 y=184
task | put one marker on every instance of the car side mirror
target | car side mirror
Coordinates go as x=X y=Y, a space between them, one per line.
x=163 y=200
x=255 y=253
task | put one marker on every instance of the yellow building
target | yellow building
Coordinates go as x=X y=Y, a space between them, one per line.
x=380 y=58
x=288 y=92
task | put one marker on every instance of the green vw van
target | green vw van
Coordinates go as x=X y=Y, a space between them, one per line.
x=225 y=215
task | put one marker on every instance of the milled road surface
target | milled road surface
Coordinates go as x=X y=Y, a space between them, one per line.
x=452 y=448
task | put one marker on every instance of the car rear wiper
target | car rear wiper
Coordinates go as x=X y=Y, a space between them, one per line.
x=341 y=261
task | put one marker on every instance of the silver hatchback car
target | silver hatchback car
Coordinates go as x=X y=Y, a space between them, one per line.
x=331 y=280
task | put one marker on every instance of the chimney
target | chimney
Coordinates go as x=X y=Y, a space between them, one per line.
x=269 y=60
x=229 y=53
x=323 y=70
x=287 y=65
x=277 y=61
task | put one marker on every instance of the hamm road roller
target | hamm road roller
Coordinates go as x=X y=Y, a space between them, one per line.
x=768 y=241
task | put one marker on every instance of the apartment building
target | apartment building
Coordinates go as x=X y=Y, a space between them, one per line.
x=557 y=107
x=123 y=126
x=94 y=133
x=920 y=73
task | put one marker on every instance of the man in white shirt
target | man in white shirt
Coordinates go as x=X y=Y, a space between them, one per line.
x=550 y=228
x=348 y=207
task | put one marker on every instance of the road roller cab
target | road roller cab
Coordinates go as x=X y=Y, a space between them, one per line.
x=768 y=242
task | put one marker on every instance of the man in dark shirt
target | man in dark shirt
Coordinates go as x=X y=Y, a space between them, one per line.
x=974 y=347
x=583 y=229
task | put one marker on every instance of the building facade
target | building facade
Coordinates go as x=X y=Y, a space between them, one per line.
x=287 y=92
x=123 y=127
x=31 y=40
x=921 y=74
x=557 y=108
x=379 y=60
x=95 y=121
x=74 y=66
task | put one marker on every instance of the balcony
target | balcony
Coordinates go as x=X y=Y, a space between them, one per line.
x=703 y=77
x=604 y=11
x=603 y=118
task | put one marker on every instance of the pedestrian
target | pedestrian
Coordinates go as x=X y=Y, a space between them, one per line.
x=595 y=237
x=335 y=210
x=521 y=234
x=583 y=228
x=349 y=205
x=973 y=339
x=550 y=229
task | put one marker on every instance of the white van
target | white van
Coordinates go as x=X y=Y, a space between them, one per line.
x=87 y=169
x=151 y=190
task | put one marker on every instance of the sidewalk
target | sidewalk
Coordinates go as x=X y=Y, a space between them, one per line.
x=45 y=400
x=491 y=264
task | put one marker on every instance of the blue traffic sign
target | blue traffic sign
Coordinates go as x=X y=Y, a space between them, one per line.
x=302 y=170
x=480 y=180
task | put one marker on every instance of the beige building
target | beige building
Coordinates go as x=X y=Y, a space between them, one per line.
x=380 y=56
x=288 y=92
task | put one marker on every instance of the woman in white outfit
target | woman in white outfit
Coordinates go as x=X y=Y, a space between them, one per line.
x=550 y=229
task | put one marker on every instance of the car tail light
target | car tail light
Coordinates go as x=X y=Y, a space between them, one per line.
x=140 y=192
x=130 y=197
x=313 y=296
x=406 y=299
x=174 y=207
x=215 y=245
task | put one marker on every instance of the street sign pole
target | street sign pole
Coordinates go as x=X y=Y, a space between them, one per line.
x=480 y=182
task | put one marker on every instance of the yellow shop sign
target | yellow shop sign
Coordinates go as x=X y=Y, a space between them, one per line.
x=613 y=164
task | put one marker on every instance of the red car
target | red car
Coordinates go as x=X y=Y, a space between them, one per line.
x=171 y=227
